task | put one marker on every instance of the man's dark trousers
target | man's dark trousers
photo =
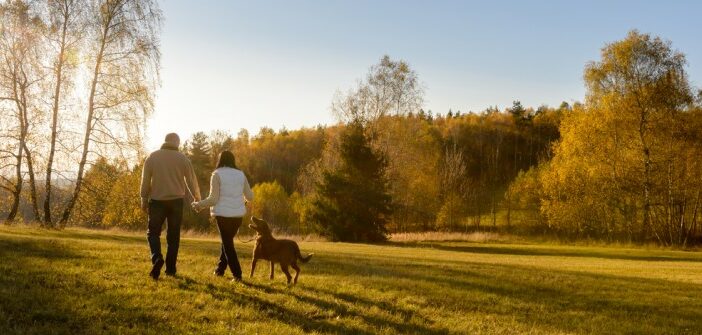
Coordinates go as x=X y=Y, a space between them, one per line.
x=160 y=211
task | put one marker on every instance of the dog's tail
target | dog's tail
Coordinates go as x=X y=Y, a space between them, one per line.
x=304 y=259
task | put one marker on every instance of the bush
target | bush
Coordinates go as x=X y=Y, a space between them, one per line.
x=272 y=203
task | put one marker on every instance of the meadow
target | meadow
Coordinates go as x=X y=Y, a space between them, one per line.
x=78 y=281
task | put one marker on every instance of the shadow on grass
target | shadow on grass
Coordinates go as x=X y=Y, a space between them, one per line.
x=312 y=322
x=403 y=327
x=42 y=292
x=545 y=251
x=27 y=298
x=270 y=310
x=567 y=301
x=36 y=298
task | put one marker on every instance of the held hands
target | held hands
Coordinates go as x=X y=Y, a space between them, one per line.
x=196 y=206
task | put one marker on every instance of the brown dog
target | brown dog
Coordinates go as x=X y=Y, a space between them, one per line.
x=285 y=252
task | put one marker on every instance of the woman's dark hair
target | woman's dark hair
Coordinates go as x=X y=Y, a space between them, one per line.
x=226 y=158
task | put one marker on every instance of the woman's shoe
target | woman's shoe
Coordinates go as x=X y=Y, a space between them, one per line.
x=156 y=269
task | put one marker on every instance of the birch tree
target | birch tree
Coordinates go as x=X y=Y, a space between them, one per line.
x=19 y=79
x=64 y=18
x=122 y=46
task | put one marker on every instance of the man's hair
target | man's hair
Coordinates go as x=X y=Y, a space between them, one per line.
x=172 y=138
x=226 y=159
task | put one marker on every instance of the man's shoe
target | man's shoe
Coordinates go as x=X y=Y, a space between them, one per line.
x=170 y=273
x=156 y=269
x=218 y=273
x=237 y=280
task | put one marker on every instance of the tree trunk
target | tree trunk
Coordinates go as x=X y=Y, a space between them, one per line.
x=54 y=119
x=16 y=194
x=693 y=223
x=646 y=224
x=669 y=205
x=20 y=91
x=509 y=210
x=32 y=183
x=493 y=211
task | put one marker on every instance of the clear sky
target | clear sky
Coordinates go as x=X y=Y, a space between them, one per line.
x=248 y=64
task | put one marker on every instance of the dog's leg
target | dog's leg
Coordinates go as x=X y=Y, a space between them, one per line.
x=272 y=268
x=297 y=271
x=253 y=267
x=284 y=267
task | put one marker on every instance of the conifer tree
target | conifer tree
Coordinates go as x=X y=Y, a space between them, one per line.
x=354 y=202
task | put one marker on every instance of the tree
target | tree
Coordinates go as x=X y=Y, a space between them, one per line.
x=197 y=148
x=220 y=141
x=623 y=165
x=645 y=81
x=353 y=203
x=95 y=197
x=123 y=48
x=199 y=151
x=123 y=208
x=414 y=155
x=303 y=209
x=10 y=160
x=391 y=88
x=20 y=75
x=64 y=18
x=453 y=186
x=390 y=92
x=273 y=205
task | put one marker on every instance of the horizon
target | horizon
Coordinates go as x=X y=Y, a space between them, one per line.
x=255 y=68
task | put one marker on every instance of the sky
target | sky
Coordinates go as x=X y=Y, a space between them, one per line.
x=228 y=65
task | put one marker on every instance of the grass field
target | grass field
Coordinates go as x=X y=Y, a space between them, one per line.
x=80 y=281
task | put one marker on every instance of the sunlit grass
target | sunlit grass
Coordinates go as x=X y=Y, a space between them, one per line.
x=451 y=236
x=79 y=281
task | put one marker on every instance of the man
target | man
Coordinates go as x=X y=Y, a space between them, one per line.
x=163 y=183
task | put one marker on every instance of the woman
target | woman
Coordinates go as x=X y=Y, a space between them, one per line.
x=229 y=192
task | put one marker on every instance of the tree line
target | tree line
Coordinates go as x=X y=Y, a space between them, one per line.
x=622 y=165
x=435 y=172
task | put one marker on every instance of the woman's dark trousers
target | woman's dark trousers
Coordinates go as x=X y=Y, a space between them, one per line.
x=228 y=226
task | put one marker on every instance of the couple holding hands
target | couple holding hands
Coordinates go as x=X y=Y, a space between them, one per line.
x=166 y=175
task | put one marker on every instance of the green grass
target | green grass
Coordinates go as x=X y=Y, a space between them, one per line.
x=80 y=281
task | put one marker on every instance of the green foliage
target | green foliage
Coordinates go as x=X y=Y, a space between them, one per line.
x=303 y=208
x=199 y=151
x=272 y=203
x=123 y=209
x=451 y=214
x=95 y=197
x=526 y=193
x=413 y=150
x=353 y=202
x=271 y=156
